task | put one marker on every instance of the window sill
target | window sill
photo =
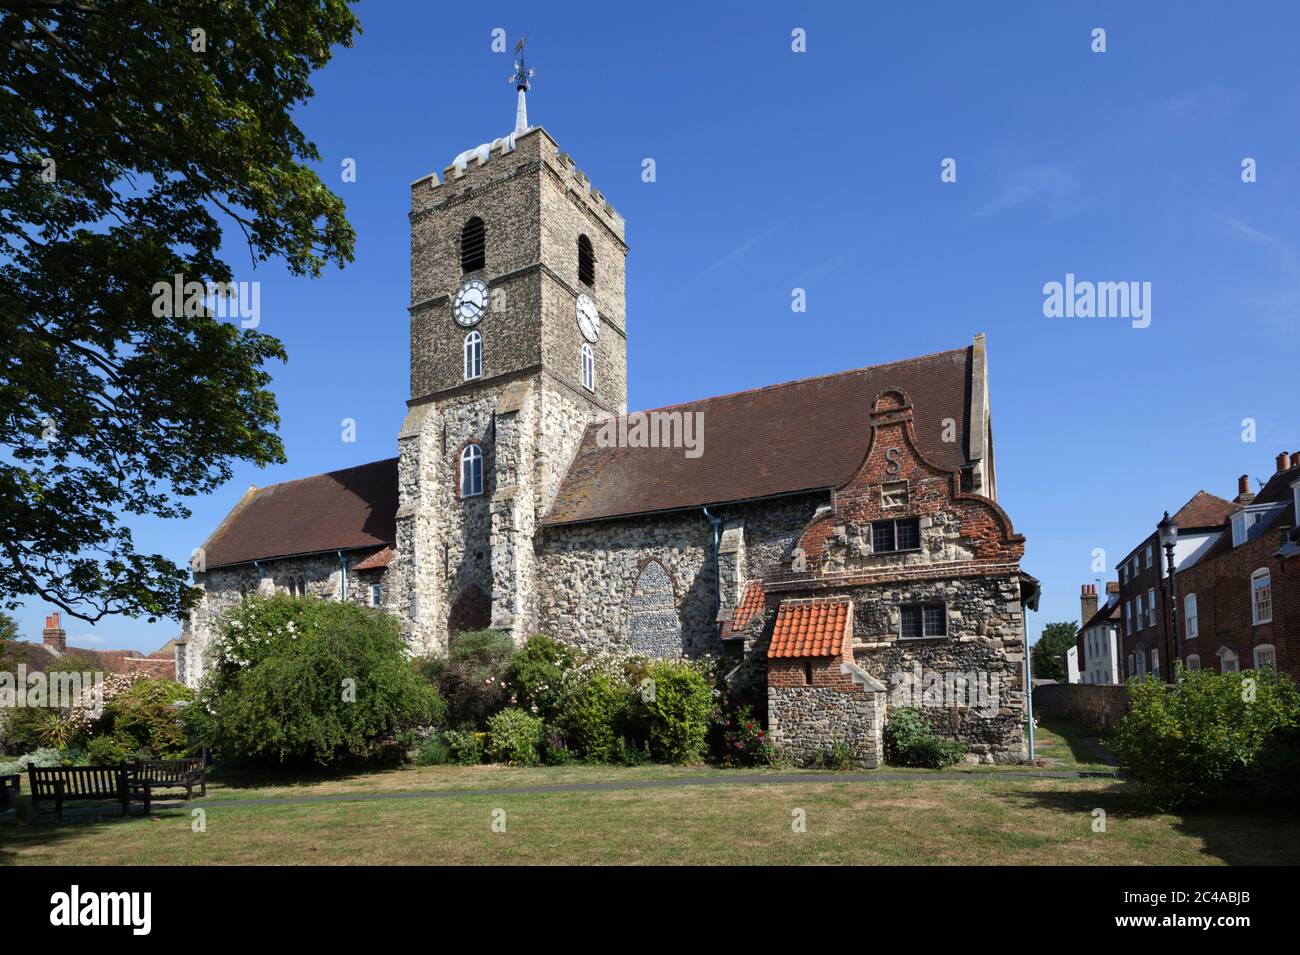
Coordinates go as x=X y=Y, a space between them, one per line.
x=903 y=639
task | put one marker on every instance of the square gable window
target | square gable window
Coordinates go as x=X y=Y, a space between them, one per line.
x=894 y=494
x=892 y=536
x=923 y=620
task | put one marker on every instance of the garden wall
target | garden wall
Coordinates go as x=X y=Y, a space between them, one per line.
x=1092 y=707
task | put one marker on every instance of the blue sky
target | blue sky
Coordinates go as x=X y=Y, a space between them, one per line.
x=821 y=170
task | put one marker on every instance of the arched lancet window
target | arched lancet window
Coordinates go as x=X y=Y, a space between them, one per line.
x=473 y=245
x=471 y=471
x=586 y=262
x=1261 y=596
x=588 y=367
x=473 y=355
x=655 y=629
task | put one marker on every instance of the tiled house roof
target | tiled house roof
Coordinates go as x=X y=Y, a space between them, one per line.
x=1204 y=510
x=341 y=510
x=799 y=436
x=378 y=560
x=815 y=627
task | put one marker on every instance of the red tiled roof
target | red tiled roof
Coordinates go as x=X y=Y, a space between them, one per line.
x=1204 y=510
x=750 y=604
x=799 y=436
x=341 y=510
x=814 y=627
x=378 y=560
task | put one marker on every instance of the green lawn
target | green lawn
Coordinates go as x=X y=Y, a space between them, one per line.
x=983 y=818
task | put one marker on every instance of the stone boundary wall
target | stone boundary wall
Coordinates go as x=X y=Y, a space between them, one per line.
x=1090 y=706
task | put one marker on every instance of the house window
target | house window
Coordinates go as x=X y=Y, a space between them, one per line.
x=1261 y=596
x=376 y=595
x=1132 y=665
x=1193 y=661
x=1189 y=616
x=473 y=246
x=586 y=262
x=1265 y=656
x=473 y=355
x=1151 y=606
x=889 y=536
x=1141 y=613
x=1229 y=662
x=924 y=620
x=471 y=471
x=1155 y=662
x=588 y=368
x=893 y=495
x=1147 y=555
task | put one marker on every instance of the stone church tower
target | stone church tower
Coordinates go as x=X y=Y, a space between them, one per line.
x=518 y=341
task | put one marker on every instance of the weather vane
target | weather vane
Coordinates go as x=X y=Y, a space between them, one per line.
x=522 y=76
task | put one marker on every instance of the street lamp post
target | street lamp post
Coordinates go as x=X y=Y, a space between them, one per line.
x=1168 y=531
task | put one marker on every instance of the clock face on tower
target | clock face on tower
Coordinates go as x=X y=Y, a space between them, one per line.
x=470 y=303
x=588 y=317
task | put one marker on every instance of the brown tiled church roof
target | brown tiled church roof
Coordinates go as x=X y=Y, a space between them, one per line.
x=341 y=510
x=798 y=436
x=1204 y=510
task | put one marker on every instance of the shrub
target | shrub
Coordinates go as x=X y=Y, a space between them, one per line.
x=909 y=741
x=472 y=677
x=146 y=719
x=433 y=752
x=743 y=741
x=301 y=680
x=536 y=675
x=41 y=758
x=464 y=746
x=22 y=730
x=110 y=749
x=555 y=751
x=837 y=756
x=676 y=706
x=596 y=714
x=515 y=737
x=1203 y=737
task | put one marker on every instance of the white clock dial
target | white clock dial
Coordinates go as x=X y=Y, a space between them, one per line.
x=470 y=302
x=588 y=317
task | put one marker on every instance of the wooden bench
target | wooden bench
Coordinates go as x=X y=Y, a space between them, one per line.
x=9 y=786
x=151 y=774
x=67 y=783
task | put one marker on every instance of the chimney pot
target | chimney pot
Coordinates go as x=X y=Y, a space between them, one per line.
x=1283 y=462
x=1243 y=485
x=55 y=637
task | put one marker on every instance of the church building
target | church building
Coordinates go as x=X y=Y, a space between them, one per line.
x=836 y=540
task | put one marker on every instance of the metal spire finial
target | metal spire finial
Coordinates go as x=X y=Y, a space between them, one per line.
x=522 y=76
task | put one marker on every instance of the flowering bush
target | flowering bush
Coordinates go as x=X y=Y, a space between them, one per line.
x=464 y=747
x=472 y=677
x=318 y=681
x=743 y=740
x=536 y=675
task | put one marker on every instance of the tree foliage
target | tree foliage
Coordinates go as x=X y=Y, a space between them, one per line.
x=125 y=147
x=1049 y=652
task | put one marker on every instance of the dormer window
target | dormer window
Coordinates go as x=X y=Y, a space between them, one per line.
x=586 y=262
x=473 y=245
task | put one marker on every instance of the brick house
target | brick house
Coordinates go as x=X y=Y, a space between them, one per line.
x=1098 y=643
x=1143 y=601
x=1240 y=602
x=53 y=651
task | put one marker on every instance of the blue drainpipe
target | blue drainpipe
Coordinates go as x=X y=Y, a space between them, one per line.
x=717 y=570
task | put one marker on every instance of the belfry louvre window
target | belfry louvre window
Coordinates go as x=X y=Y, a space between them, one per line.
x=923 y=620
x=473 y=246
x=586 y=262
x=890 y=536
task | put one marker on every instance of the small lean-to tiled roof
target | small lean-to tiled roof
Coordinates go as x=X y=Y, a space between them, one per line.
x=750 y=604
x=1204 y=510
x=803 y=435
x=342 y=510
x=378 y=560
x=811 y=627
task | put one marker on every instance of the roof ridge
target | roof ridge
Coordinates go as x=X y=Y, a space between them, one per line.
x=798 y=381
x=308 y=477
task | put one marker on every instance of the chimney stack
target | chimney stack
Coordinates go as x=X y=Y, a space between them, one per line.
x=1283 y=462
x=55 y=637
x=1243 y=491
x=1088 y=603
